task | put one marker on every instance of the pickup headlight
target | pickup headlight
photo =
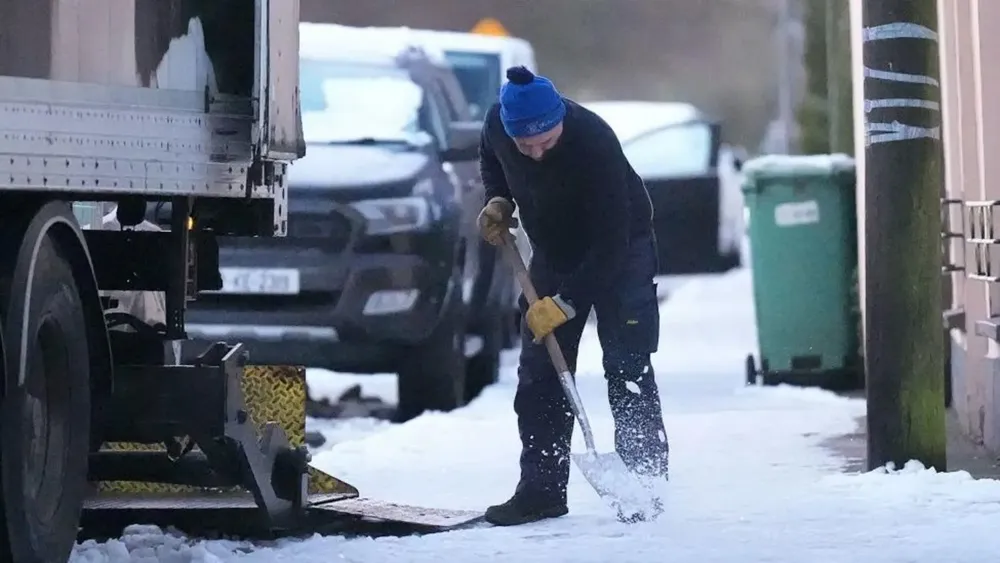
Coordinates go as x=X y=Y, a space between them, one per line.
x=394 y=215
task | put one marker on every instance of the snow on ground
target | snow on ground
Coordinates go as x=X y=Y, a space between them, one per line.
x=335 y=431
x=749 y=479
x=325 y=384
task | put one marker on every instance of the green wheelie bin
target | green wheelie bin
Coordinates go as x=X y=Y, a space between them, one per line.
x=803 y=254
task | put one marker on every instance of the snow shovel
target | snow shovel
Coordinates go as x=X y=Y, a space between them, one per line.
x=607 y=472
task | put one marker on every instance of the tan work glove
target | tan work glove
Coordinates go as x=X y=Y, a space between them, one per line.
x=546 y=315
x=496 y=219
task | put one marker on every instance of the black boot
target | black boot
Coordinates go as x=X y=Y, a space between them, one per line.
x=525 y=507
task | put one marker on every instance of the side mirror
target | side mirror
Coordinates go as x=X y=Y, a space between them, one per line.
x=463 y=141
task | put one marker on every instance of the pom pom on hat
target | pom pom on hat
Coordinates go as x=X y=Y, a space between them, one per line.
x=520 y=75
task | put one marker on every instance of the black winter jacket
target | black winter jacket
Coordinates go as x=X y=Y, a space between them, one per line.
x=582 y=205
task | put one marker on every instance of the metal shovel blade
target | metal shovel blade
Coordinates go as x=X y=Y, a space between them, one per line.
x=634 y=500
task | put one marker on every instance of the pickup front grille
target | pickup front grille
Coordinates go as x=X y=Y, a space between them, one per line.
x=331 y=231
x=306 y=301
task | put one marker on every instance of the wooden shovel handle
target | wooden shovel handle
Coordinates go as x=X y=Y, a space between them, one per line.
x=513 y=257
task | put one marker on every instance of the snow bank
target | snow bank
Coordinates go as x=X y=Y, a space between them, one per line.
x=150 y=544
x=325 y=384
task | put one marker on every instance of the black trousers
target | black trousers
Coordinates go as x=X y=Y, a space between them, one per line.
x=628 y=329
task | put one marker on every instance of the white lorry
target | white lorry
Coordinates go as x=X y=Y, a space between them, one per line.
x=188 y=104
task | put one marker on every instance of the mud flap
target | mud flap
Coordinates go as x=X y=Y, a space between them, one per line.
x=430 y=518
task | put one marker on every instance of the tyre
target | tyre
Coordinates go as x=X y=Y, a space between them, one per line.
x=507 y=308
x=432 y=376
x=45 y=432
x=507 y=332
x=483 y=369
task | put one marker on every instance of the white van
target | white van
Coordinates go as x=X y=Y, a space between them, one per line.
x=480 y=61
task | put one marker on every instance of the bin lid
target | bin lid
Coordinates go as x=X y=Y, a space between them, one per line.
x=784 y=165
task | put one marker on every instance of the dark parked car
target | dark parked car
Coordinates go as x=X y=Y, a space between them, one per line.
x=380 y=271
x=693 y=181
x=479 y=63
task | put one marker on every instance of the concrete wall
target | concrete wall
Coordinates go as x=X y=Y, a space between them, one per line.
x=970 y=81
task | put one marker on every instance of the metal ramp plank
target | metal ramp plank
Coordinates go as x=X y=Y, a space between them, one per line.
x=209 y=513
x=436 y=518
x=189 y=501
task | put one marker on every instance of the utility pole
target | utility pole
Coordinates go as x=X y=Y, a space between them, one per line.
x=902 y=242
x=833 y=86
x=786 y=113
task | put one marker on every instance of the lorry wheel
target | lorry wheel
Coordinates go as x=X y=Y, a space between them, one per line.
x=432 y=376
x=483 y=369
x=45 y=432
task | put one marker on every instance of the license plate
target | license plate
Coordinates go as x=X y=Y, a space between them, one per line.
x=264 y=281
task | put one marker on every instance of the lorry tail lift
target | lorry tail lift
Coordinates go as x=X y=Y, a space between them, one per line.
x=218 y=447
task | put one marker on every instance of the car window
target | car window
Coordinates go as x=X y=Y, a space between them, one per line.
x=479 y=75
x=453 y=97
x=677 y=150
x=435 y=118
x=344 y=102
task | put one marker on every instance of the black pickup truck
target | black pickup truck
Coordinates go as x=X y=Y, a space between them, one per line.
x=381 y=269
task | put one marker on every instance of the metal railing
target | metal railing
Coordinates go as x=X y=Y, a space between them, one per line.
x=983 y=240
x=949 y=233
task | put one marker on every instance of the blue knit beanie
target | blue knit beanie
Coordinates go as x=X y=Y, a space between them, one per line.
x=529 y=105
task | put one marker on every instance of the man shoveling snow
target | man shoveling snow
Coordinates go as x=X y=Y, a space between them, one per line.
x=589 y=218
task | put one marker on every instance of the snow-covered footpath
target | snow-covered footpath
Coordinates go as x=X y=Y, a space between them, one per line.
x=749 y=479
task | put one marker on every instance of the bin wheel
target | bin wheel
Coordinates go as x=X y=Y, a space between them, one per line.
x=751 y=367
